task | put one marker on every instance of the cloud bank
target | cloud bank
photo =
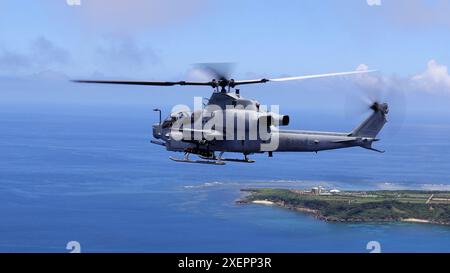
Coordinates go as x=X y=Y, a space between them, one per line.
x=124 y=55
x=435 y=79
x=42 y=54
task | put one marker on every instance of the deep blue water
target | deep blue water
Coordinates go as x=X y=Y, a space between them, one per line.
x=92 y=176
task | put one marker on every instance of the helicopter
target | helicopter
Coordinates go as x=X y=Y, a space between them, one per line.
x=231 y=123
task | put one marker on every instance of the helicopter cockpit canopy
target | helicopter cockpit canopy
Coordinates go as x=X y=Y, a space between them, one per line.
x=170 y=120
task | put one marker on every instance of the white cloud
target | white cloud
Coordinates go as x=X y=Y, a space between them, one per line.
x=435 y=78
x=362 y=67
x=73 y=2
x=374 y=2
x=367 y=80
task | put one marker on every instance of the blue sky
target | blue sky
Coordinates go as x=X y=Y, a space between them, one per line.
x=272 y=37
x=406 y=40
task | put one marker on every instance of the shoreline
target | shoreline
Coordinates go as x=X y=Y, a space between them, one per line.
x=323 y=218
x=263 y=202
x=388 y=217
x=415 y=220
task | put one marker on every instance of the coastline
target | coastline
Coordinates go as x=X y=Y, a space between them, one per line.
x=321 y=213
x=263 y=202
x=281 y=205
x=415 y=220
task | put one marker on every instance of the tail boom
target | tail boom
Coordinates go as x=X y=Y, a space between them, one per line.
x=362 y=136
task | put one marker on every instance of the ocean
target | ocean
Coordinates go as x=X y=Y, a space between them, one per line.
x=89 y=174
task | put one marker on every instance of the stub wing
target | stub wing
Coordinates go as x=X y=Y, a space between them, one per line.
x=195 y=134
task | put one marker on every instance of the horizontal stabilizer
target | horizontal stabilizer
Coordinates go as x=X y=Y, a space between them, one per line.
x=347 y=140
x=375 y=150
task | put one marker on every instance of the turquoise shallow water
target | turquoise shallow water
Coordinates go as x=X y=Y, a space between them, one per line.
x=92 y=176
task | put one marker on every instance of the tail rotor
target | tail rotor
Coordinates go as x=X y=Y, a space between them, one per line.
x=388 y=101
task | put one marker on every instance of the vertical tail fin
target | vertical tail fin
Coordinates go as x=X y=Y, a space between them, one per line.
x=372 y=126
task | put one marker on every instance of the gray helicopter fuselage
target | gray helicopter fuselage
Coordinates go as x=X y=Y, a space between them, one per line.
x=289 y=141
x=248 y=112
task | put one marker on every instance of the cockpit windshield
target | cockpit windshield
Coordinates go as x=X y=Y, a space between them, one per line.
x=168 y=122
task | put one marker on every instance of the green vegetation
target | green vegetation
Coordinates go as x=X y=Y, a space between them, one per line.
x=372 y=206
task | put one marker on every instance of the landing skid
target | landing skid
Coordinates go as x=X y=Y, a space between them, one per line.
x=245 y=160
x=209 y=162
x=238 y=160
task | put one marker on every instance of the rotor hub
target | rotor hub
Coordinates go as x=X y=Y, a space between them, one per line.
x=380 y=107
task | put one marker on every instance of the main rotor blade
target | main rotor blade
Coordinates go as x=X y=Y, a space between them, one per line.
x=306 y=77
x=226 y=82
x=320 y=76
x=148 y=83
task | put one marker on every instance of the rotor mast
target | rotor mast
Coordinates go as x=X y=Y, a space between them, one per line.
x=224 y=85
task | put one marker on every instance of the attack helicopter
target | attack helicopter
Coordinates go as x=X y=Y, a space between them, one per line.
x=231 y=123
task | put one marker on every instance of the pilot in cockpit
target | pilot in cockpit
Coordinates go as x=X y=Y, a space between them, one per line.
x=169 y=121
